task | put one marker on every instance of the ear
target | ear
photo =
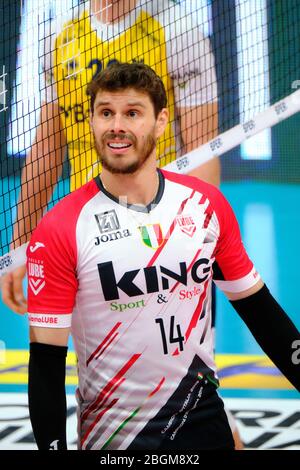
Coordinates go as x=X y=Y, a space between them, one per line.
x=161 y=122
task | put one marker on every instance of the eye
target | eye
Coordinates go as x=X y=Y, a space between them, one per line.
x=106 y=113
x=132 y=113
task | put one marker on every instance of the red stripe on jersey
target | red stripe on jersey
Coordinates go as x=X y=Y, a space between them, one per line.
x=195 y=317
x=157 y=388
x=198 y=311
x=116 y=385
x=158 y=233
x=103 y=343
x=100 y=398
x=108 y=344
x=209 y=212
x=170 y=231
x=203 y=199
x=99 y=416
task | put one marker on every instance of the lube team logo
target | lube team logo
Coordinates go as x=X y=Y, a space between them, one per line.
x=152 y=235
x=36 y=276
x=186 y=224
x=109 y=227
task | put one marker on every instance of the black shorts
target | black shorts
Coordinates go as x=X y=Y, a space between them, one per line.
x=204 y=426
x=208 y=428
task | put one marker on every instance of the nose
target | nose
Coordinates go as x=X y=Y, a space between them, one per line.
x=118 y=124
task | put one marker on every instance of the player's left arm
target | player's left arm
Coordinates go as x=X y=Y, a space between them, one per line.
x=271 y=327
x=236 y=276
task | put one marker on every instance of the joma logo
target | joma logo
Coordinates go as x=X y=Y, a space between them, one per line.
x=107 y=221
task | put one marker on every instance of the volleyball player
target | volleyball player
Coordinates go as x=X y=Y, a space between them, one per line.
x=114 y=263
x=104 y=31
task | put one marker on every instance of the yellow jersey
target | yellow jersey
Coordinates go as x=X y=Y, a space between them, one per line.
x=171 y=44
x=79 y=55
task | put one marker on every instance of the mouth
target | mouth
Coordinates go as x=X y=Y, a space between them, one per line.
x=119 y=147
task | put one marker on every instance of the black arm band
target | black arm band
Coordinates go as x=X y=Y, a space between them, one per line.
x=47 y=395
x=273 y=330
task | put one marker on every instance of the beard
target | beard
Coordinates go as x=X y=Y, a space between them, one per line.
x=112 y=163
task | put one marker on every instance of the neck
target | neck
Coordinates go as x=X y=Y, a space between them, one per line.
x=108 y=11
x=139 y=188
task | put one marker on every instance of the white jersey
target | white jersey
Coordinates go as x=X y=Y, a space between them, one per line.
x=133 y=283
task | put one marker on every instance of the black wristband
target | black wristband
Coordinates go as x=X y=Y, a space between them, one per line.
x=47 y=396
x=273 y=330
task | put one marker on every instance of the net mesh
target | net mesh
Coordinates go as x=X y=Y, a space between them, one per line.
x=222 y=62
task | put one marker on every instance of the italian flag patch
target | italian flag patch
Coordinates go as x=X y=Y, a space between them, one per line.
x=152 y=235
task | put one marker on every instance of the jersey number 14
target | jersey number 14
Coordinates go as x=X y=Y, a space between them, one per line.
x=172 y=338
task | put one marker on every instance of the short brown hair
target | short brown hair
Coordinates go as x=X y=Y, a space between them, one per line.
x=119 y=76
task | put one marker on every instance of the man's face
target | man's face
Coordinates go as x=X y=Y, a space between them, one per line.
x=125 y=129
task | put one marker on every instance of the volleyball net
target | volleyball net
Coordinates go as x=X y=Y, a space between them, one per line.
x=232 y=64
